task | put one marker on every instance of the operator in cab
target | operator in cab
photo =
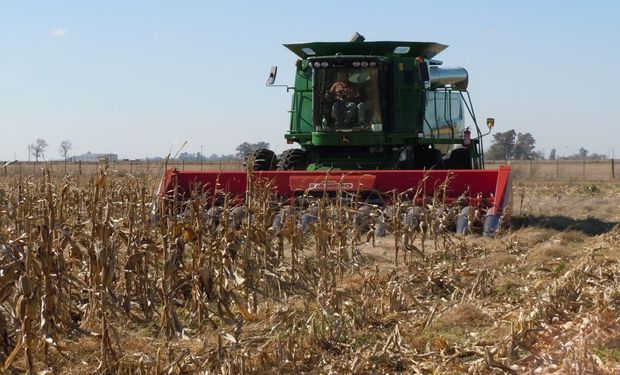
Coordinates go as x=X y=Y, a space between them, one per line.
x=349 y=108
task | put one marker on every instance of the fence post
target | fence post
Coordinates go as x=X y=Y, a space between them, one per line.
x=583 y=171
x=80 y=167
x=557 y=169
x=613 y=172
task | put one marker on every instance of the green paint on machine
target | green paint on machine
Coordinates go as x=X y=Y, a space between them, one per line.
x=380 y=105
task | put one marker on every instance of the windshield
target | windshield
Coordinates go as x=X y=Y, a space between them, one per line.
x=347 y=99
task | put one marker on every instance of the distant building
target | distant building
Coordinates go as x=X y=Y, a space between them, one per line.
x=89 y=156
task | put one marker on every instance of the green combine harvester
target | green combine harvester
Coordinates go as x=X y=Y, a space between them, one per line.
x=377 y=105
x=374 y=119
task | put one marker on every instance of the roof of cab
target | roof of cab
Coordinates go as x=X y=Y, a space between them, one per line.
x=309 y=49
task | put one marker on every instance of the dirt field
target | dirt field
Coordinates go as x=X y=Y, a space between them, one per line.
x=91 y=282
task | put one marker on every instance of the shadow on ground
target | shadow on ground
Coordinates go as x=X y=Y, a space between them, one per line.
x=589 y=226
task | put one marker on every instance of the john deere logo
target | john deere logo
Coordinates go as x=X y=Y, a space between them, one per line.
x=345 y=139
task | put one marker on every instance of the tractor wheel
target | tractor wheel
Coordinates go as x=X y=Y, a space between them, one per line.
x=427 y=158
x=264 y=160
x=294 y=159
x=459 y=159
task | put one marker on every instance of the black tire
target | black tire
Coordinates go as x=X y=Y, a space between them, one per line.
x=264 y=160
x=294 y=159
x=459 y=159
x=427 y=158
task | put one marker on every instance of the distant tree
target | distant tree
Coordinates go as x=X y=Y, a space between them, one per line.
x=228 y=157
x=65 y=147
x=585 y=154
x=503 y=146
x=552 y=154
x=600 y=156
x=37 y=149
x=524 y=147
x=260 y=145
x=188 y=156
x=595 y=156
x=154 y=158
x=245 y=149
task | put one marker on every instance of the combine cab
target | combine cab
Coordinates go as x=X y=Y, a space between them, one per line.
x=377 y=121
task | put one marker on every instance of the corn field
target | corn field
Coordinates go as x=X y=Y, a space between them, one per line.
x=96 y=279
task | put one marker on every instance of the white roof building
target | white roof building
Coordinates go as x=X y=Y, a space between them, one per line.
x=89 y=156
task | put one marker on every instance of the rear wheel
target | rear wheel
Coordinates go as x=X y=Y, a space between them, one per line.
x=294 y=159
x=427 y=158
x=459 y=159
x=264 y=160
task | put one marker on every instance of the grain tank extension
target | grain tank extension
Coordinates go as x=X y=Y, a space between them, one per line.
x=377 y=119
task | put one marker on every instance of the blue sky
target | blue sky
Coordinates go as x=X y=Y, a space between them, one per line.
x=134 y=77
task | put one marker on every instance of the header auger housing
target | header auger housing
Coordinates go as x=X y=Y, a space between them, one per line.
x=373 y=119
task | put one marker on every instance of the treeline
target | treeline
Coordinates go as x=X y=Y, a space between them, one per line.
x=583 y=154
x=242 y=151
x=186 y=156
x=510 y=145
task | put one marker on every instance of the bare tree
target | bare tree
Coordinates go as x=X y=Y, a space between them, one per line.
x=37 y=149
x=65 y=147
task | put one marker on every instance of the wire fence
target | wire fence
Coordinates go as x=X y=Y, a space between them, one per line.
x=560 y=170
x=136 y=167
x=524 y=170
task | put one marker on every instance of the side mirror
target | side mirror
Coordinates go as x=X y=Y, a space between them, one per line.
x=490 y=123
x=424 y=74
x=272 y=76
